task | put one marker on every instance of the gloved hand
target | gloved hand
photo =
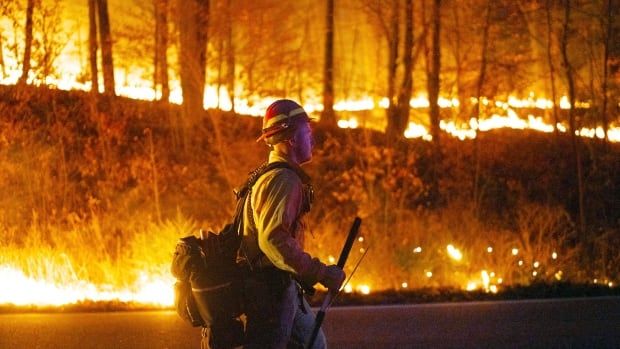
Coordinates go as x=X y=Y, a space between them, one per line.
x=332 y=277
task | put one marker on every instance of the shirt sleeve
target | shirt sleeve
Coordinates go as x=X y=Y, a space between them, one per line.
x=277 y=207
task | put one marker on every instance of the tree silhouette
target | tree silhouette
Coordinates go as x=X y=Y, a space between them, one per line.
x=328 y=116
x=160 y=74
x=193 y=25
x=28 y=42
x=105 y=37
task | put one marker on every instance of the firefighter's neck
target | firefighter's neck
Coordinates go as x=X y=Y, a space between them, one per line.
x=285 y=149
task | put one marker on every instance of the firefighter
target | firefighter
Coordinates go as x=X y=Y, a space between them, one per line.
x=278 y=316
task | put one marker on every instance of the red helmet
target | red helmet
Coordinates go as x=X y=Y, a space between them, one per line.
x=278 y=118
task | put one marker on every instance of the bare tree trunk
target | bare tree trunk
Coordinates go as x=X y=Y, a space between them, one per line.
x=592 y=48
x=556 y=117
x=163 y=53
x=161 y=48
x=393 y=41
x=219 y=36
x=571 y=114
x=432 y=58
x=220 y=67
x=401 y=117
x=458 y=58
x=3 y=71
x=606 y=24
x=154 y=174
x=193 y=21
x=433 y=74
x=392 y=111
x=28 y=43
x=156 y=10
x=105 y=39
x=328 y=116
x=480 y=85
x=92 y=58
x=92 y=45
x=230 y=56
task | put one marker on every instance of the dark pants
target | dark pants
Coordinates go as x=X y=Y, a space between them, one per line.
x=227 y=335
x=276 y=314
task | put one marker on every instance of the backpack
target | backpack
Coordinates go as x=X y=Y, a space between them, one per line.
x=209 y=287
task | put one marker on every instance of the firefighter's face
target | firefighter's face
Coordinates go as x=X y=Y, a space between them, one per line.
x=303 y=143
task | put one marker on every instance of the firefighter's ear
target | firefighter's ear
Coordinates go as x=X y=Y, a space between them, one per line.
x=294 y=138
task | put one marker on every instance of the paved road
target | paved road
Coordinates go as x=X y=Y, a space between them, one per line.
x=567 y=323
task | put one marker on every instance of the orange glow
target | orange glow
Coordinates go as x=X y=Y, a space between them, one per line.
x=486 y=279
x=351 y=123
x=364 y=289
x=355 y=105
x=133 y=85
x=19 y=289
x=454 y=253
x=485 y=283
x=25 y=284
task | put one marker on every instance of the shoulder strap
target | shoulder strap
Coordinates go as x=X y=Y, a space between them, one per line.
x=256 y=174
x=242 y=192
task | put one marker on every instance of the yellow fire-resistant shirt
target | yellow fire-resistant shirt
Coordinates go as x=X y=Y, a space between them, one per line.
x=276 y=200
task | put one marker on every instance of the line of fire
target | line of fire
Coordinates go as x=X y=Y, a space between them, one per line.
x=478 y=140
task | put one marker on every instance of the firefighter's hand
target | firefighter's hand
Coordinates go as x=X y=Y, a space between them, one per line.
x=332 y=278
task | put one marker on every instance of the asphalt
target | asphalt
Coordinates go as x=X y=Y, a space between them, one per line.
x=557 y=323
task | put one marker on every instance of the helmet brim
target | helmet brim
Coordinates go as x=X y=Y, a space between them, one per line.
x=275 y=129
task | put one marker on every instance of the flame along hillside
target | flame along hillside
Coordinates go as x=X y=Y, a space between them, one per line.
x=531 y=112
x=95 y=194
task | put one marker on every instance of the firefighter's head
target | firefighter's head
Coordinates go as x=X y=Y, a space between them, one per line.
x=286 y=125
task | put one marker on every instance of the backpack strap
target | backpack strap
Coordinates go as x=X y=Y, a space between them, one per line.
x=244 y=193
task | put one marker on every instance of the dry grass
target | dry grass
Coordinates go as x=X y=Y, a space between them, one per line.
x=103 y=198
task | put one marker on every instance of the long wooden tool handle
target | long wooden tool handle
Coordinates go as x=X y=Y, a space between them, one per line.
x=349 y=243
x=344 y=254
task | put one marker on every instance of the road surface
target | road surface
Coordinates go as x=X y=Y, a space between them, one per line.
x=559 y=323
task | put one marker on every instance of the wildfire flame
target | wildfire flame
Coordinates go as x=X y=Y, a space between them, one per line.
x=132 y=85
x=19 y=289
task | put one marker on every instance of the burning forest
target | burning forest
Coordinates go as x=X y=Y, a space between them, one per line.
x=479 y=143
